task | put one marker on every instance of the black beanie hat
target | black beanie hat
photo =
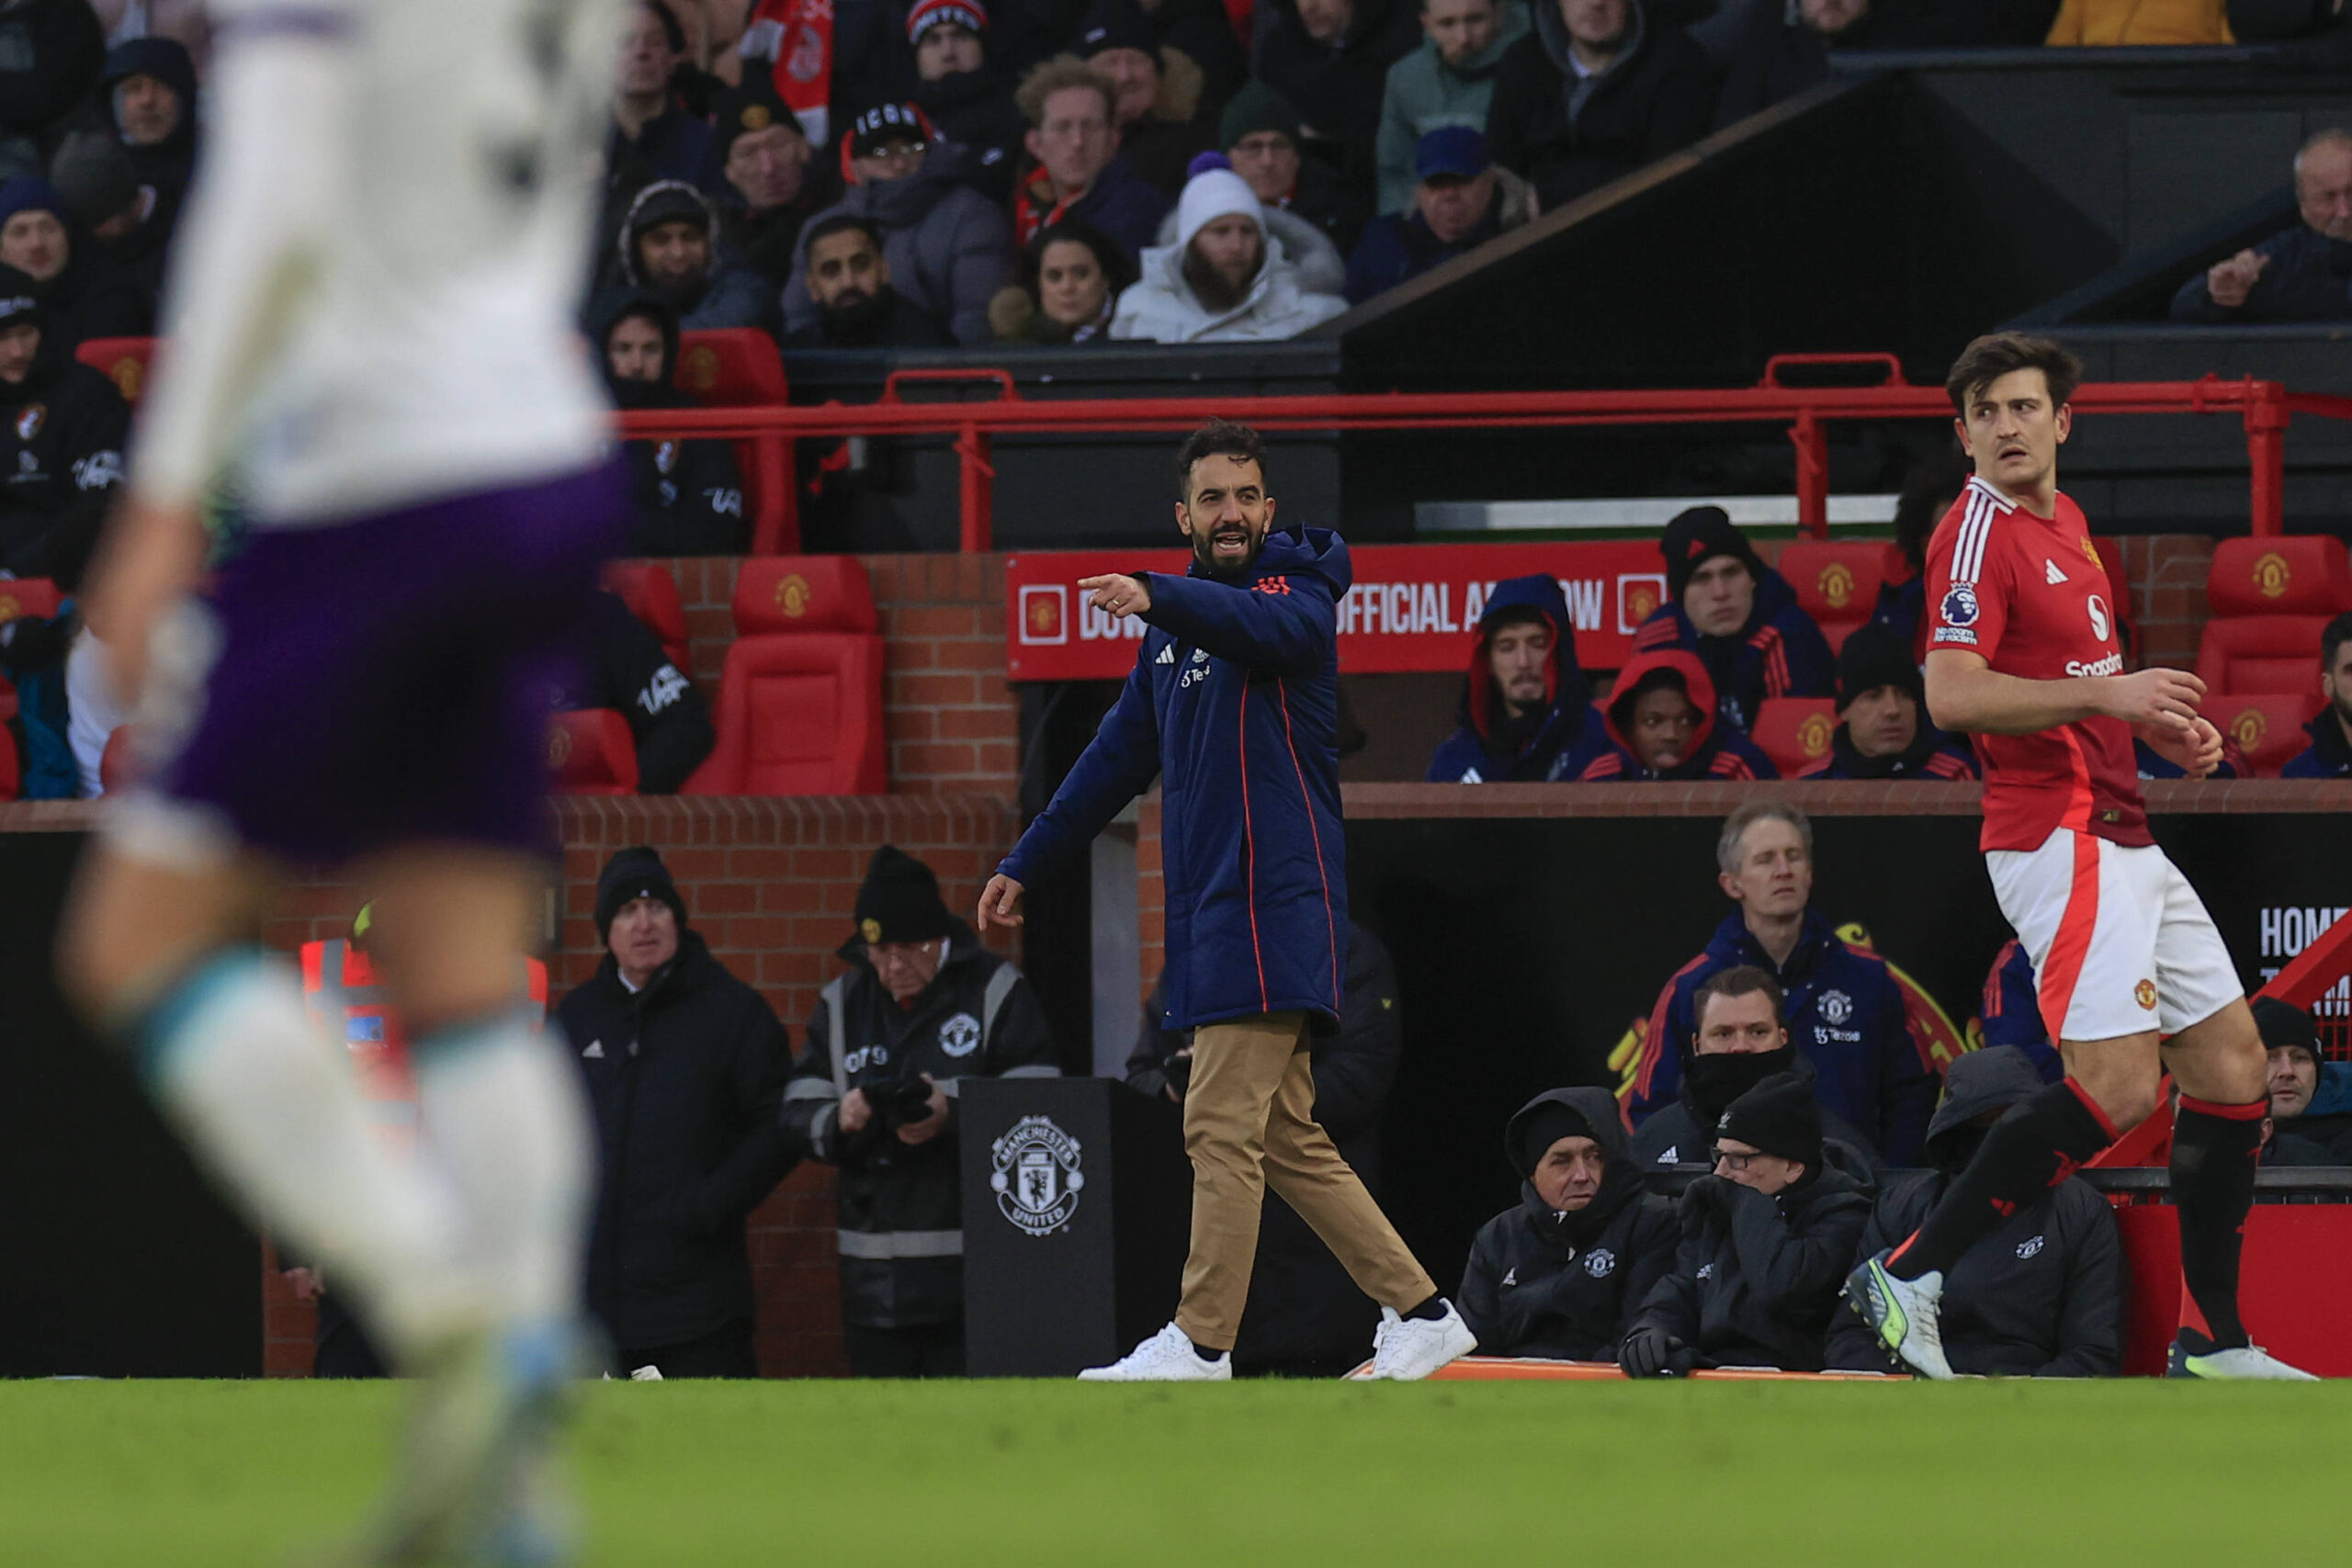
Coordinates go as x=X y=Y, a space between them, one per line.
x=1698 y=535
x=634 y=873
x=1778 y=1116
x=2283 y=1023
x=1539 y=1129
x=1115 y=24
x=1874 y=656
x=900 y=900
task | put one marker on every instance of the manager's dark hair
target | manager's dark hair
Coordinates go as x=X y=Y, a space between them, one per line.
x=1740 y=980
x=839 y=223
x=672 y=31
x=1995 y=355
x=2333 y=637
x=1217 y=438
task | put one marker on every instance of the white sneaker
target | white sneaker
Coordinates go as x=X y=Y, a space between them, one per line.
x=1903 y=1313
x=1167 y=1357
x=1407 y=1349
x=2244 y=1363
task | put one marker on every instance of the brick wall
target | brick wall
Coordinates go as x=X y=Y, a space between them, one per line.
x=770 y=881
x=952 y=720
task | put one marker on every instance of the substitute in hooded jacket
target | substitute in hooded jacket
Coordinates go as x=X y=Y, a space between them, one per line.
x=1449 y=80
x=1560 y=1276
x=1740 y=1038
x=950 y=249
x=62 y=429
x=1766 y=1238
x=1305 y=1316
x=151 y=102
x=1225 y=281
x=1739 y=616
x=1661 y=723
x=1843 y=1006
x=1594 y=93
x=2043 y=1294
x=923 y=1006
x=685 y=497
x=686 y=1066
x=1526 y=711
x=1884 y=730
x=625 y=669
x=669 y=247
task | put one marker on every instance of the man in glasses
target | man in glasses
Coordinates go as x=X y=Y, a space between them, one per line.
x=1763 y=1239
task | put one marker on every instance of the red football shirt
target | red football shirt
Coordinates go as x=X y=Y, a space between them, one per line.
x=2030 y=597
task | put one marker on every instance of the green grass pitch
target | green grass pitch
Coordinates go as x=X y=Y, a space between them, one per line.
x=193 y=1474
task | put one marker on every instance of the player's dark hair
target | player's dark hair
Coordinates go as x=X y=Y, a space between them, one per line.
x=1995 y=355
x=2332 y=639
x=671 y=30
x=1740 y=980
x=839 y=223
x=1217 y=438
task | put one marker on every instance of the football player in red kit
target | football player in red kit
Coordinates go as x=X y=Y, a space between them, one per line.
x=2023 y=654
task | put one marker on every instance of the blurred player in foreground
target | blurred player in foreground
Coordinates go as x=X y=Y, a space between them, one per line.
x=371 y=323
x=2133 y=978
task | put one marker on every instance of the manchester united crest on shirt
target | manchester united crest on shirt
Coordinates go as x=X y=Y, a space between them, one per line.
x=1037 y=1179
x=1836 y=1007
x=960 y=1035
x=1600 y=1262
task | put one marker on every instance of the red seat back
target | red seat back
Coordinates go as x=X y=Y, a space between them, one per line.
x=652 y=596
x=1837 y=581
x=12 y=778
x=797 y=594
x=590 y=751
x=2269 y=729
x=126 y=360
x=798 y=716
x=729 y=368
x=2309 y=575
x=34 y=596
x=2260 y=653
x=1794 y=731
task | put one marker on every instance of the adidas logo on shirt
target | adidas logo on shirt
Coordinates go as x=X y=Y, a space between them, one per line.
x=1167 y=655
x=596 y=1051
x=2053 y=576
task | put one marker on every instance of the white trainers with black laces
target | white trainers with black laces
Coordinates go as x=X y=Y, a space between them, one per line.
x=1407 y=1349
x=1167 y=1357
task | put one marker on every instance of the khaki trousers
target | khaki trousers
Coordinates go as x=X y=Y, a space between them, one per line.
x=1250 y=1124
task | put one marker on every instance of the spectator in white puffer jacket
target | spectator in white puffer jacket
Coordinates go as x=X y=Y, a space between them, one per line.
x=1224 y=280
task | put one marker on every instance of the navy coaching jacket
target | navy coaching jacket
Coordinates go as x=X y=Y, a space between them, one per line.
x=1235 y=701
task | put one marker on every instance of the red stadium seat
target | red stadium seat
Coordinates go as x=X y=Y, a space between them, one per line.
x=11 y=772
x=2260 y=654
x=800 y=698
x=2309 y=575
x=115 y=763
x=652 y=596
x=804 y=594
x=590 y=751
x=729 y=368
x=1794 y=731
x=34 y=596
x=124 y=360
x=2269 y=729
x=1837 y=582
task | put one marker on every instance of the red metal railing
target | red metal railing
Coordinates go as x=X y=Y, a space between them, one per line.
x=2265 y=407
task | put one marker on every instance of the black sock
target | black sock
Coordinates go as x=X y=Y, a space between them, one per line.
x=2030 y=1150
x=2214 y=1149
x=1203 y=1351
x=1431 y=1310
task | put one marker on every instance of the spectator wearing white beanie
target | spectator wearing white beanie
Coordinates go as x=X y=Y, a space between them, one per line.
x=1224 y=280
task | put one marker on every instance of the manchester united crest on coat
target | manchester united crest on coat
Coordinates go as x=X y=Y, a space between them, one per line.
x=1037 y=1179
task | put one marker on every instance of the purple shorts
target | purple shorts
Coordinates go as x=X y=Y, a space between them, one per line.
x=390 y=680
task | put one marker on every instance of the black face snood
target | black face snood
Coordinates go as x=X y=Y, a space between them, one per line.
x=1711 y=1083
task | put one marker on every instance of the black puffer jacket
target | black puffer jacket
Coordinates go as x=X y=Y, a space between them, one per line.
x=901 y=1205
x=1564 y=1286
x=1567 y=136
x=2043 y=1294
x=685 y=1076
x=1303 y=1313
x=62 y=431
x=626 y=667
x=1755 y=1282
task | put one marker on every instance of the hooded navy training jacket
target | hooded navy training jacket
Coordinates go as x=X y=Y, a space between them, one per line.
x=1558 y=743
x=1779 y=653
x=1235 y=701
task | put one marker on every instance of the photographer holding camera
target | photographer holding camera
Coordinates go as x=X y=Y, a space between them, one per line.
x=923 y=1006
